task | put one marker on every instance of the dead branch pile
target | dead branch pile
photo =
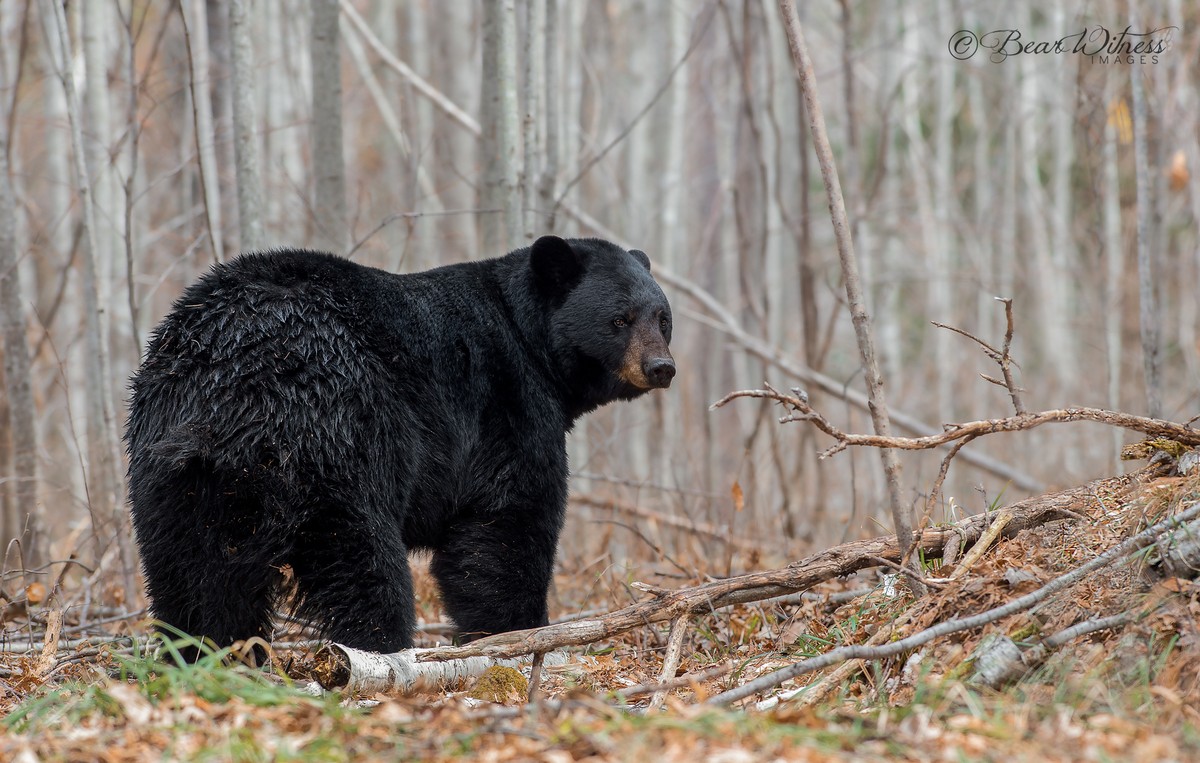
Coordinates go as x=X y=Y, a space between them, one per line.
x=336 y=668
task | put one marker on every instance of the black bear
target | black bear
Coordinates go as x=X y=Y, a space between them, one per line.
x=296 y=408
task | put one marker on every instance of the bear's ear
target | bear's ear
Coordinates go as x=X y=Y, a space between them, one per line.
x=556 y=266
x=641 y=257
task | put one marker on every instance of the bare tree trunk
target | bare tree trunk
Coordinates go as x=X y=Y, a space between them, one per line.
x=854 y=294
x=286 y=104
x=667 y=142
x=1114 y=271
x=941 y=261
x=456 y=174
x=930 y=170
x=108 y=516
x=1149 y=314
x=95 y=31
x=535 y=42
x=220 y=80
x=202 y=114
x=328 y=161
x=24 y=513
x=498 y=118
x=550 y=108
x=1063 y=260
x=245 y=128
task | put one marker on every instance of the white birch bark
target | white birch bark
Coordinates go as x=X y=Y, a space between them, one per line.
x=369 y=673
x=220 y=78
x=533 y=23
x=551 y=70
x=1150 y=319
x=1114 y=270
x=328 y=160
x=197 y=29
x=96 y=30
x=24 y=513
x=245 y=127
x=498 y=118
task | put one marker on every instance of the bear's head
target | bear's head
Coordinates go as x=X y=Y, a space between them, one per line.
x=609 y=323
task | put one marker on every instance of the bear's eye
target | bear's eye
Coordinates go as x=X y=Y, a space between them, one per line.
x=619 y=323
x=663 y=324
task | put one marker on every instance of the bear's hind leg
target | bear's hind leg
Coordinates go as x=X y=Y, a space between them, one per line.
x=354 y=580
x=207 y=578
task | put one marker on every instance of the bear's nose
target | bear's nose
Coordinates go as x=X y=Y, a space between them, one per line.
x=660 y=371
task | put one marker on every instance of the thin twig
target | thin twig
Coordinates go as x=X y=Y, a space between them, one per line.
x=1086 y=627
x=1006 y=358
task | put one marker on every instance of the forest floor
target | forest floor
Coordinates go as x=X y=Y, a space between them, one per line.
x=1129 y=693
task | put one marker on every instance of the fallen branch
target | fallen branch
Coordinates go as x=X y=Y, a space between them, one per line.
x=679 y=630
x=1001 y=660
x=981 y=546
x=1119 y=552
x=839 y=561
x=362 y=673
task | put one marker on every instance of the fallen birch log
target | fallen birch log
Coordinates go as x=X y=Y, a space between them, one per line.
x=835 y=562
x=360 y=673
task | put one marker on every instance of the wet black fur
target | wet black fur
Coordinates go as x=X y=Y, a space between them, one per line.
x=298 y=408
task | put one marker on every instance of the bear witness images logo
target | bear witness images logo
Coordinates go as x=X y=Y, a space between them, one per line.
x=1098 y=44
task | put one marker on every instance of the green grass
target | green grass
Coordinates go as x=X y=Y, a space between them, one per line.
x=211 y=678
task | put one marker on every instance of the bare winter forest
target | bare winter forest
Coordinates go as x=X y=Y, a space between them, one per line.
x=141 y=141
x=208 y=129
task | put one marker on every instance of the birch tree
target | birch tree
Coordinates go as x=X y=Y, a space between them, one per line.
x=245 y=127
x=532 y=17
x=499 y=197
x=196 y=31
x=24 y=512
x=95 y=30
x=328 y=161
x=1149 y=316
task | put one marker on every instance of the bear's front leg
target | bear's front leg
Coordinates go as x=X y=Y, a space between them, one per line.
x=494 y=573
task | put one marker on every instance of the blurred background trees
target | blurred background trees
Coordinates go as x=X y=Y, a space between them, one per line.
x=412 y=134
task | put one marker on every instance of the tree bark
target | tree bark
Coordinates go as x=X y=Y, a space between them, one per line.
x=24 y=513
x=328 y=161
x=367 y=673
x=499 y=199
x=552 y=122
x=1150 y=318
x=1114 y=269
x=202 y=114
x=245 y=128
x=532 y=12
